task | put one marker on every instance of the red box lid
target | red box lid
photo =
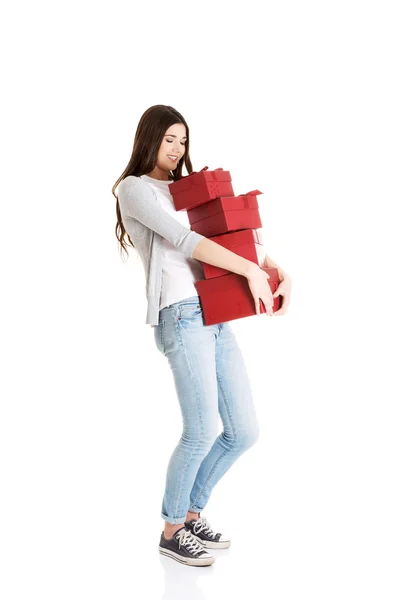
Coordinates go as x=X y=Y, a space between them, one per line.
x=224 y=203
x=237 y=238
x=196 y=177
x=231 y=281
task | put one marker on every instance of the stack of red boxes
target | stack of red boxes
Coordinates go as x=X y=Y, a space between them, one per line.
x=232 y=221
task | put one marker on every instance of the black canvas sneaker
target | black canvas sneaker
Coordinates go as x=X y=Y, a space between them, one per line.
x=202 y=531
x=185 y=548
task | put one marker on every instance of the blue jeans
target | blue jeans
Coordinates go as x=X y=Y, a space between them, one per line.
x=211 y=379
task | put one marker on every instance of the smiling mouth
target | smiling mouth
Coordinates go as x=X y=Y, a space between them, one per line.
x=173 y=158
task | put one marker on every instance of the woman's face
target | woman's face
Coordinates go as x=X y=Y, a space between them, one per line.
x=172 y=147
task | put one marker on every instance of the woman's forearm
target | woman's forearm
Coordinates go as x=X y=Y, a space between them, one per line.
x=214 y=254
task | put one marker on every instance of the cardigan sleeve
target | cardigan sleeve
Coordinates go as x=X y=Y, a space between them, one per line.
x=137 y=200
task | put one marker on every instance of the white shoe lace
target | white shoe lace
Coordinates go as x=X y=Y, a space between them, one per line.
x=203 y=525
x=185 y=538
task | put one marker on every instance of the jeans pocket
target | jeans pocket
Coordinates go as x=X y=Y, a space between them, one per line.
x=159 y=335
x=190 y=310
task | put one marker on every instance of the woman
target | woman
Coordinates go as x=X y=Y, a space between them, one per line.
x=207 y=365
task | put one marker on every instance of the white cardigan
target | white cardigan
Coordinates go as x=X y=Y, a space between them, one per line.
x=151 y=223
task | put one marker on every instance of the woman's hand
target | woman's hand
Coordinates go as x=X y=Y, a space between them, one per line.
x=259 y=287
x=284 y=290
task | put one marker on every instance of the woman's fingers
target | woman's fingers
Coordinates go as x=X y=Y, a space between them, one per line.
x=261 y=291
x=268 y=303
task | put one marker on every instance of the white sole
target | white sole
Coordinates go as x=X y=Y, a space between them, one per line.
x=193 y=562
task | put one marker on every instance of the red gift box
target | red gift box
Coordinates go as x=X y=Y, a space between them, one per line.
x=247 y=243
x=212 y=208
x=200 y=187
x=229 y=297
x=230 y=213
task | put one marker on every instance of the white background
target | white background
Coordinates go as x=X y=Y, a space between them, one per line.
x=297 y=99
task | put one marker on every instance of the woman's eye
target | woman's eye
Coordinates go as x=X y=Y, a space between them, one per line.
x=170 y=141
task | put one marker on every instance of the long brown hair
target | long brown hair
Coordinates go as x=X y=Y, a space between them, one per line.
x=150 y=131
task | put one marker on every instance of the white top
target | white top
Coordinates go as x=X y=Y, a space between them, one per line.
x=179 y=271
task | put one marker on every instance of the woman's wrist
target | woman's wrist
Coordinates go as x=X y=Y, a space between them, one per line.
x=251 y=269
